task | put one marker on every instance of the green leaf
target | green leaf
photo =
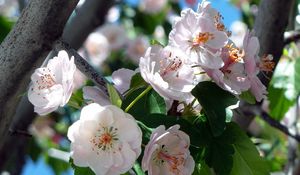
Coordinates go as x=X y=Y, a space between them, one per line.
x=148 y=22
x=214 y=101
x=137 y=168
x=5 y=27
x=202 y=169
x=297 y=75
x=248 y=97
x=76 y=100
x=34 y=150
x=246 y=159
x=155 y=42
x=284 y=87
x=81 y=170
x=155 y=103
x=114 y=96
x=149 y=104
x=137 y=81
x=219 y=152
x=279 y=104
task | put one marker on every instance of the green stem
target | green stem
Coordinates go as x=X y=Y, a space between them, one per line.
x=138 y=98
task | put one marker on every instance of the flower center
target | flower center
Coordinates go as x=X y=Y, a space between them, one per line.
x=202 y=38
x=46 y=80
x=170 y=65
x=235 y=54
x=104 y=139
x=174 y=161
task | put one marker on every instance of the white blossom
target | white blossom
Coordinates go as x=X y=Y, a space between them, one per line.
x=105 y=139
x=252 y=60
x=168 y=153
x=115 y=35
x=122 y=79
x=152 y=6
x=97 y=47
x=52 y=85
x=198 y=37
x=167 y=71
x=232 y=76
x=137 y=48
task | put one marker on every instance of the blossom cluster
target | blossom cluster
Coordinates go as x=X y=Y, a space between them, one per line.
x=105 y=138
x=199 y=44
x=109 y=140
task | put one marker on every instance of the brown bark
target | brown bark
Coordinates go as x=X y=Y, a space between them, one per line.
x=23 y=50
x=89 y=16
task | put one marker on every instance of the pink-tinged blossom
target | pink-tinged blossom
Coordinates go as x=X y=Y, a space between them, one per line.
x=97 y=48
x=105 y=139
x=232 y=76
x=168 y=153
x=198 y=37
x=94 y=94
x=205 y=10
x=152 y=6
x=137 y=48
x=52 y=85
x=167 y=71
x=251 y=48
x=121 y=79
x=115 y=34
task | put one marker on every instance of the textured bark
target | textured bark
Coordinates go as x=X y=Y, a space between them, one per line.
x=25 y=115
x=83 y=66
x=31 y=39
x=89 y=16
x=16 y=142
x=270 y=24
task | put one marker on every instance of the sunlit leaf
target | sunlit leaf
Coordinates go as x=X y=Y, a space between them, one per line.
x=214 y=101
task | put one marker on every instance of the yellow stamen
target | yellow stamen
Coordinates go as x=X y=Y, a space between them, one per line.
x=266 y=64
x=202 y=38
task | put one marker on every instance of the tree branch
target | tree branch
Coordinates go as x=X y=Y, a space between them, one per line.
x=84 y=66
x=270 y=24
x=31 y=39
x=89 y=16
x=25 y=115
x=276 y=124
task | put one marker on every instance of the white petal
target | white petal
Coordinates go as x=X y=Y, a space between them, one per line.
x=122 y=78
x=72 y=130
x=220 y=40
x=209 y=60
x=94 y=93
x=91 y=112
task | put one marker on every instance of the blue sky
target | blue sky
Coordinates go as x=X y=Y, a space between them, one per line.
x=228 y=11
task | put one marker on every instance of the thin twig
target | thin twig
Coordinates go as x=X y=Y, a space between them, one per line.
x=84 y=66
x=20 y=132
x=276 y=124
